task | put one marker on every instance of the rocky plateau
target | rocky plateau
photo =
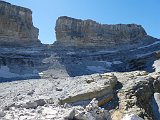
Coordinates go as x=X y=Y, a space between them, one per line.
x=92 y=71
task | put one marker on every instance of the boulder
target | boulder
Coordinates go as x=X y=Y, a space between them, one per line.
x=16 y=27
x=101 y=88
x=69 y=115
x=93 y=112
x=2 y=114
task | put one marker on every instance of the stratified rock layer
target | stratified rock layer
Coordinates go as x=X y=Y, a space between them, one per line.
x=76 y=32
x=16 y=27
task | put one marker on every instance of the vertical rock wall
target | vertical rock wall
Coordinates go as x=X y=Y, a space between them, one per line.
x=76 y=32
x=16 y=27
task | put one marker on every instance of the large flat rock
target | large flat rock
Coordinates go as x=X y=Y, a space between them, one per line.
x=66 y=90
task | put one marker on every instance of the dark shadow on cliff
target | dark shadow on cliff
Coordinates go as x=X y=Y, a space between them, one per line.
x=79 y=62
x=22 y=63
x=60 y=61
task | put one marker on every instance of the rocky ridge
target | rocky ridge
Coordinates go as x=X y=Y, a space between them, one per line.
x=88 y=33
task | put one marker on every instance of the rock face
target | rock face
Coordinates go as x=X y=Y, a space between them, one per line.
x=136 y=94
x=16 y=27
x=76 y=32
x=86 y=47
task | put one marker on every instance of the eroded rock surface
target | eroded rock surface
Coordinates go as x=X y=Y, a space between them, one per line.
x=136 y=94
x=16 y=27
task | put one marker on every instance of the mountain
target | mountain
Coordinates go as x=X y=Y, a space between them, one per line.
x=92 y=71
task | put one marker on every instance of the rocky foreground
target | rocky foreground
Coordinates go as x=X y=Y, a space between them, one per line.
x=92 y=72
x=120 y=94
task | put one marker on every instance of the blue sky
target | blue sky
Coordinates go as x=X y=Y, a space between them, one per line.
x=45 y=13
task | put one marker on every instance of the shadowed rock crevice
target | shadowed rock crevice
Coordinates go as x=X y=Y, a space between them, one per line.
x=22 y=63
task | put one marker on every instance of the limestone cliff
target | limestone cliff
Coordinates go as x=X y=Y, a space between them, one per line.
x=76 y=32
x=16 y=27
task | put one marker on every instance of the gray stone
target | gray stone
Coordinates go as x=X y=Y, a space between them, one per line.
x=2 y=114
x=31 y=92
x=59 y=89
x=29 y=105
x=89 y=80
x=93 y=112
x=40 y=102
x=69 y=115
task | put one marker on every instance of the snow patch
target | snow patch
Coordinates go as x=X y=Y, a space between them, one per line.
x=143 y=55
x=155 y=43
x=5 y=73
x=96 y=68
x=132 y=117
x=71 y=53
x=149 y=45
x=41 y=74
x=156 y=65
x=109 y=64
x=117 y=62
x=106 y=51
